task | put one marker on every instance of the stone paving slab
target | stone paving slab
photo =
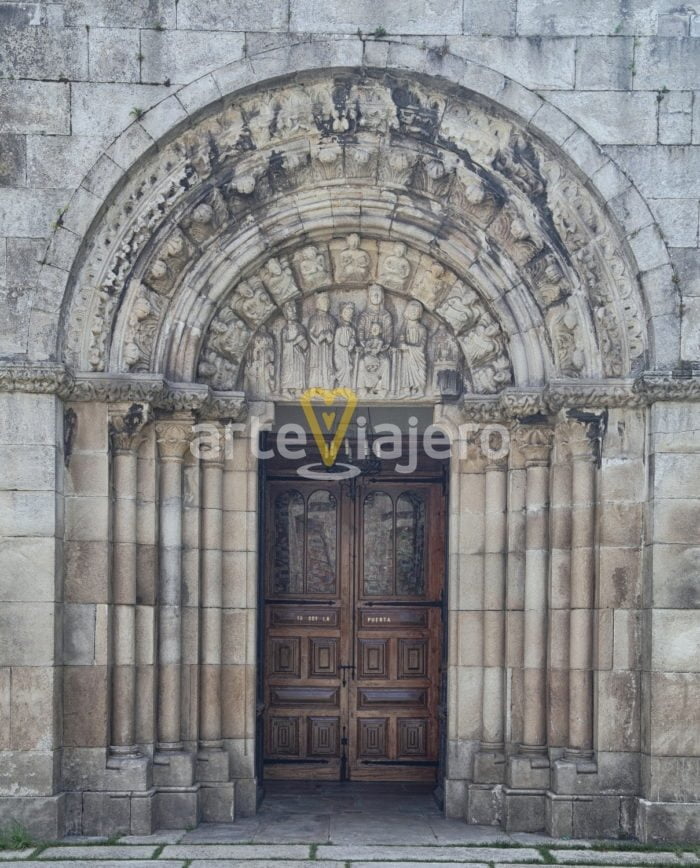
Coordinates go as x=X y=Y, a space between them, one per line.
x=98 y=852
x=236 y=851
x=166 y=836
x=614 y=857
x=380 y=828
x=414 y=865
x=264 y=863
x=357 y=852
x=109 y=863
x=9 y=855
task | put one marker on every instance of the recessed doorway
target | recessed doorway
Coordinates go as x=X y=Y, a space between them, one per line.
x=353 y=578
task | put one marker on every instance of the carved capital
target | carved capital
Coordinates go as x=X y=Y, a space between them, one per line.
x=126 y=422
x=173 y=437
x=535 y=443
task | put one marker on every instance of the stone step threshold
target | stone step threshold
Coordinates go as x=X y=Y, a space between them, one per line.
x=336 y=856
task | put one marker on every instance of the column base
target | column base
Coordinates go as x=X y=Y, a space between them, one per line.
x=490 y=766
x=485 y=805
x=128 y=773
x=213 y=765
x=528 y=771
x=174 y=769
x=575 y=775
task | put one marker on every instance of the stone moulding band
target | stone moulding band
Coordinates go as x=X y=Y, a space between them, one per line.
x=510 y=403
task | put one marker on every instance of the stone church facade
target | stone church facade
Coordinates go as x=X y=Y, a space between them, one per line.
x=487 y=213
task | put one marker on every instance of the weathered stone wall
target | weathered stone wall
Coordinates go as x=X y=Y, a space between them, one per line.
x=86 y=88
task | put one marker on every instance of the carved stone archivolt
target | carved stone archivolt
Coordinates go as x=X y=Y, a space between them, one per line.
x=497 y=265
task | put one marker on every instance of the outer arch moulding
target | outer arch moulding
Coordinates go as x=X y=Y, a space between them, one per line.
x=434 y=175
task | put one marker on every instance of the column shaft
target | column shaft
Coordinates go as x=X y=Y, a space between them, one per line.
x=212 y=601
x=172 y=444
x=582 y=594
x=536 y=447
x=125 y=426
x=494 y=604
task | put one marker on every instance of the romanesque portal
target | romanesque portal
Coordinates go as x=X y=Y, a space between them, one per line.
x=419 y=244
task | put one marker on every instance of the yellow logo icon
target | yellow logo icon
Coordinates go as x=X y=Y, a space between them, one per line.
x=322 y=421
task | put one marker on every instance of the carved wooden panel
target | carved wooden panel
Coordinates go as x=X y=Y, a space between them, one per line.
x=323 y=658
x=300 y=616
x=324 y=736
x=382 y=619
x=284 y=736
x=373 y=658
x=413 y=658
x=284 y=657
x=387 y=696
x=304 y=696
x=372 y=737
x=412 y=737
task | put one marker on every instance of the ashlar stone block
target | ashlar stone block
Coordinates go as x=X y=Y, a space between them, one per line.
x=604 y=63
x=180 y=56
x=34 y=107
x=120 y=13
x=240 y=15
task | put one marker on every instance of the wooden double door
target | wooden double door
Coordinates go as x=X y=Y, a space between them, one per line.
x=353 y=626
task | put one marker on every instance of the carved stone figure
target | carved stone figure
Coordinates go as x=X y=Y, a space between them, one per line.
x=395 y=269
x=462 y=308
x=374 y=367
x=204 y=220
x=278 y=279
x=353 y=264
x=564 y=327
x=312 y=267
x=169 y=262
x=322 y=328
x=445 y=355
x=252 y=302
x=294 y=345
x=260 y=368
x=229 y=335
x=141 y=331
x=221 y=360
x=412 y=363
x=375 y=312
x=344 y=347
x=431 y=286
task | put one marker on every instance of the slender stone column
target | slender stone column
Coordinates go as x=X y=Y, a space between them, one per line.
x=212 y=468
x=535 y=444
x=173 y=437
x=125 y=424
x=494 y=608
x=581 y=442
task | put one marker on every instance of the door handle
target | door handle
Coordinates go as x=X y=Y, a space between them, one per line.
x=344 y=667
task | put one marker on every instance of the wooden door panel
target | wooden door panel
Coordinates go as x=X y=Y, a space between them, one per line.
x=353 y=629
